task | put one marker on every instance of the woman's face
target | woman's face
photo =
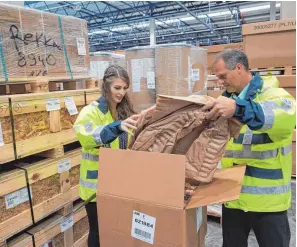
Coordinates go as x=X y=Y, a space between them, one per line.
x=118 y=89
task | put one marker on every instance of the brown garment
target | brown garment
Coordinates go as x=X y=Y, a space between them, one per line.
x=179 y=127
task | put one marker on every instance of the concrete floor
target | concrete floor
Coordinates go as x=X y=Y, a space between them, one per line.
x=214 y=231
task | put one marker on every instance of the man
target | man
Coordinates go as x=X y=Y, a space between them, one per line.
x=264 y=145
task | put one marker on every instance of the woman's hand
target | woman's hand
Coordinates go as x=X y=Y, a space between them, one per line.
x=129 y=123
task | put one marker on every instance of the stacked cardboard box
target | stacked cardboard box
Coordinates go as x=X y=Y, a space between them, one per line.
x=36 y=44
x=141 y=70
x=214 y=50
x=100 y=61
x=174 y=69
x=181 y=69
x=271 y=43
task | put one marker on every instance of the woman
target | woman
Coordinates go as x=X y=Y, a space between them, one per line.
x=103 y=123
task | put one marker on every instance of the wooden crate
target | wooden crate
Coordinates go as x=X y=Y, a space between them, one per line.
x=37 y=129
x=41 y=45
x=92 y=95
x=6 y=139
x=50 y=231
x=50 y=190
x=271 y=43
x=214 y=50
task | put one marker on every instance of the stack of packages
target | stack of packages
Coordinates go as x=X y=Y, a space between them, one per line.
x=36 y=44
x=100 y=61
x=174 y=69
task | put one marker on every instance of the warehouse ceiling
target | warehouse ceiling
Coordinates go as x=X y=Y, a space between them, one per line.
x=117 y=25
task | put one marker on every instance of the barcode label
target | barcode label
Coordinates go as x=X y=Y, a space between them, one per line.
x=70 y=105
x=66 y=223
x=16 y=198
x=151 y=83
x=53 y=104
x=64 y=166
x=81 y=46
x=195 y=74
x=143 y=227
x=143 y=233
x=1 y=136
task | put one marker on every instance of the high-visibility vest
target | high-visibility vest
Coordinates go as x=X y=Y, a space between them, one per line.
x=88 y=126
x=267 y=152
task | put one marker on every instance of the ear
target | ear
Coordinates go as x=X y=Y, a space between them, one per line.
x=239 y=68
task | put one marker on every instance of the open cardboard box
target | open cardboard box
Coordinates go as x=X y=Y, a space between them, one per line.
x=141 y=199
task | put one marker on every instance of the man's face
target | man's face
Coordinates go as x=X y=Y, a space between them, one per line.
x=230 y=79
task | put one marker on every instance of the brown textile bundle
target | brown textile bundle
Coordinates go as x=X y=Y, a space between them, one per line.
x=178 y=126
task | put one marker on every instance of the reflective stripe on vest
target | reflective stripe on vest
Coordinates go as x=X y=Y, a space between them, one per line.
x=261 y=155
x=266 y=190
x=91 y=157
x=88 y=127
x=88 y=184
x=254 y=139
x=257 y=172
x=268 y=107
x=96 y=135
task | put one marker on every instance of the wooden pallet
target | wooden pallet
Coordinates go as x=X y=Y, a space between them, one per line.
x=60 y=190
x=288 y=70
x=51 y=231
x=45 y=86
x=92 y=95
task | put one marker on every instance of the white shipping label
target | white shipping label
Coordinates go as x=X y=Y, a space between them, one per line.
x=81 y=46
x=48 y=244
x=137 y=70
x=94 y=68
x=148 y=65
x=143 y=227
x=70 y=105
x=195 y=75
x=66 y=223
x=199 y=217
x=101 y=67
x=151 y=83
x=16 y=198
x=1 y=135
x=190 y=82
x=53 y=104
x=64 y=166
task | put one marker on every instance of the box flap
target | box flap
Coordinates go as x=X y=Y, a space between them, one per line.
x=197 y=99
x=226 y=186
x=151 y=177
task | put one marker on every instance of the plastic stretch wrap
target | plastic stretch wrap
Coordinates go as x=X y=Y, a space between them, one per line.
x=35 y=44
x=172 y=69
x=141 y=70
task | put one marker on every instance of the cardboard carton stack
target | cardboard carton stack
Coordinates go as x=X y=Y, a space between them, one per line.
x=181 y=69
x=173 y=69
x=214 y=50
x=141 y=70
x=100 y=61
x=35 y=44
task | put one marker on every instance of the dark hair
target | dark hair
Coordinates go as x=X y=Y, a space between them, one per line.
x=125 y=108
x=233 y=57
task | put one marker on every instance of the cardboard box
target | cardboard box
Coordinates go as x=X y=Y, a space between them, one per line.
x=214 y=50
x=100 y=61
x=181 y=69
x=141 y=199
x=214 y=89
x=141 y=70
x=37 y=44
x=271 y=43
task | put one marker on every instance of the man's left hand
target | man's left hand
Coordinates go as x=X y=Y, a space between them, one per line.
x=221 y=107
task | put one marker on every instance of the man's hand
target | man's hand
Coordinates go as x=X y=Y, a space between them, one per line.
x=221 y=107
x=145 y=113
